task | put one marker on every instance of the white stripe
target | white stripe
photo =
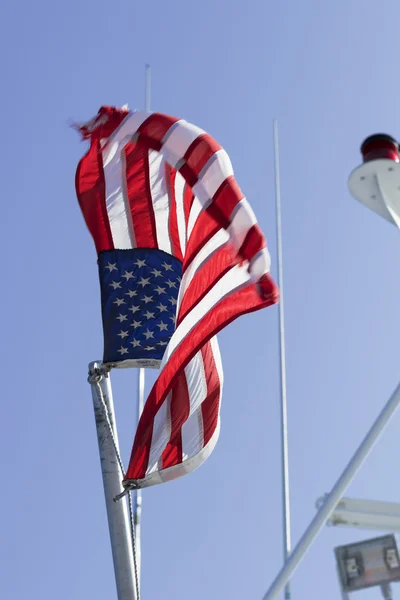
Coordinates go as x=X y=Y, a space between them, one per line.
x=218 y=362
x=161 y=434
x=217 y=169
x=235 y=278
x=179 y=189
x=182 y=135
x=260 y=264
x=160 y=198
x=126 y=130
x=194 y=215
x=213 y=244
x=192 y=429
x=116 y=203
x=243 y=219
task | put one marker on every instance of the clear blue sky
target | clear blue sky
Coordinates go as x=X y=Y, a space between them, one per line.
x=329 y=73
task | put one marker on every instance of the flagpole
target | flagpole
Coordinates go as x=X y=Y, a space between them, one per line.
x=138 y=495
x=112 y=473
x=147 y=95
x=283 y=399
x=141 y=378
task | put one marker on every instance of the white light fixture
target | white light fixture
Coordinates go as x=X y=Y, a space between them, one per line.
x=365 y=514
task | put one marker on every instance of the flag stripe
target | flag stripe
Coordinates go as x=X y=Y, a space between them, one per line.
x=90 y=190
x=160 y=200
x=179 y=412
x=173 y=225
x=179 y=197
x=139 y=195
x=181 y=137
x=211 y=404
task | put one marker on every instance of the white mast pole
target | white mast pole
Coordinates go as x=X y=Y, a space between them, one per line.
x=141 y=380
x=287 y=546
x=117 y=512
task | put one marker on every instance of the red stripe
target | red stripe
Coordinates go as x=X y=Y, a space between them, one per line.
x=196 y=157
x=253 y=243
x=225 y=200
x=210 y=406
x=154 y=129
x=180 y=407
x=188 y=197
x=91 y=193
x=170 y=175
x=204 y=229
x=242 y=301
x=207 y=275
x=139 y=195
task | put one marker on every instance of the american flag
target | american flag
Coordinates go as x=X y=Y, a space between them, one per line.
x=154 y=183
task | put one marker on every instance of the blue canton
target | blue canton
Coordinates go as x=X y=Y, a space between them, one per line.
x=139 y=291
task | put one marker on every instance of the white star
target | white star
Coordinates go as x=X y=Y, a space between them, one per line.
x=122 y=318
x=162 y=326
x=149 y=315
x=147 y=299
x=173 y=301
x=148 y=334
x=140 y=263
x=115 y=284
x=123 y=334
x=128 y=275
x=166 y=266
x=135 y=343
x=112 y=267
x=160 y=290
x=119 y=301
x=131 y=293
x=123 y=350
x=161 y=307
x=162 y=343
x=156 y=273
x=173 y=319
x=144 y=281
x=171 y=284
x=150 y=348
x=134 y=309
x=136 y=324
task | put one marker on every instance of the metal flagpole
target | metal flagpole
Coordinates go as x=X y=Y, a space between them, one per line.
x=112 y=472
x=284 y=429
x=333 y=498
x=138 y=496
x=141 y=382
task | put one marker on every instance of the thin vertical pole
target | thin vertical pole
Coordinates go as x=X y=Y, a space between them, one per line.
x=287 y=546
x=141 y=381
x=147 y=98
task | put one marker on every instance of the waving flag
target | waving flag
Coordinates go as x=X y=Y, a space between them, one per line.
x=173 y=230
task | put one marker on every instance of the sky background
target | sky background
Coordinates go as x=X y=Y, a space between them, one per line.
x=329 y=73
